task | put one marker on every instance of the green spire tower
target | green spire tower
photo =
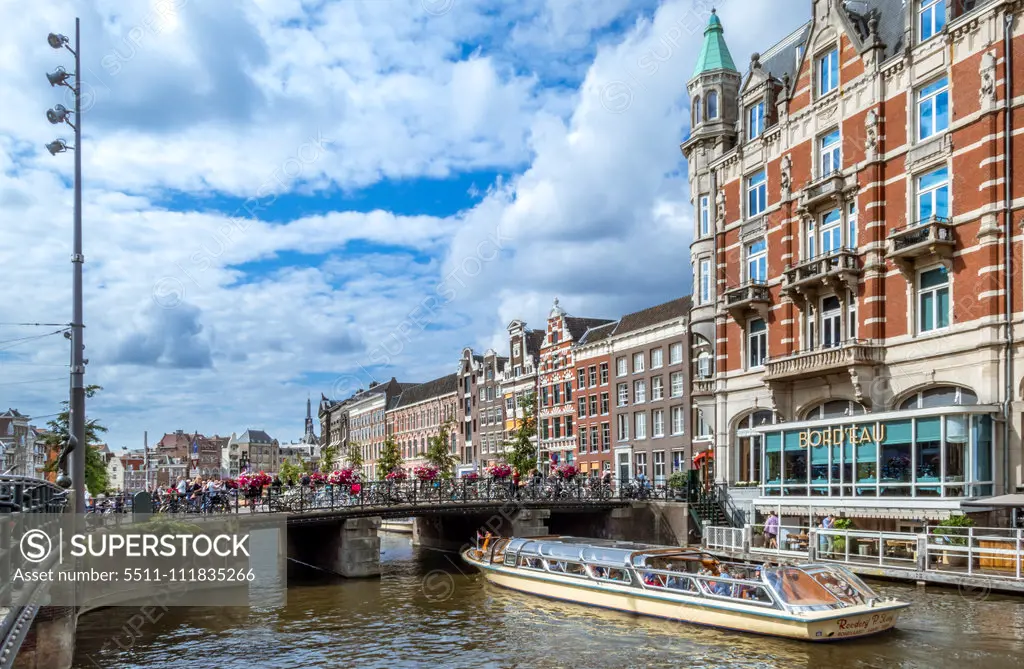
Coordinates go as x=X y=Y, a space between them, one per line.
x=714 y=55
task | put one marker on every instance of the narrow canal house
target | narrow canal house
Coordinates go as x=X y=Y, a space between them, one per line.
x=852 y=202
x=481 y=422
x=649 y=351
x=518 y=378
x=556 y=407
x=592 y=357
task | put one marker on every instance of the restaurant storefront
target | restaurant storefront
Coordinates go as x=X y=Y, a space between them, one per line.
x=917 y=460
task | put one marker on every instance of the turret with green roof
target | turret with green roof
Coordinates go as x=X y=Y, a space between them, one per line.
x=714 y=55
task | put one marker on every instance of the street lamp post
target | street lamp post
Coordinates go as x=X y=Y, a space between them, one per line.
x=59 y=114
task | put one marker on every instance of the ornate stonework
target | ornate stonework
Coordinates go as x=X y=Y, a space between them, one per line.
x=871 y=134
x=987 y=70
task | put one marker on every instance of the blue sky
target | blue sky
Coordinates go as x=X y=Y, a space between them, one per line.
x=275 y=190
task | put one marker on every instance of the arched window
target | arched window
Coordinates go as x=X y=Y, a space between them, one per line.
x=711 y=101
x=749 y=445
x=835 y=409
x=940 y=396
x=696 y=110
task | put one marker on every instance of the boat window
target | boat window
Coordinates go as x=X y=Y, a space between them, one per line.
x=669 y=580
x=528 y=562
x=566 y=567
x=510 y=560
x=739 y=583
x=612 y=574
x=555 y=550
x=799 y=590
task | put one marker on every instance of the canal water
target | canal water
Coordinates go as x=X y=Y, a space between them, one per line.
x=429 y=610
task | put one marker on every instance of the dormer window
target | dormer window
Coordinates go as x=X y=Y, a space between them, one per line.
x=828 y=72
x=931 y=18
x=755 y=120
x=711 y=102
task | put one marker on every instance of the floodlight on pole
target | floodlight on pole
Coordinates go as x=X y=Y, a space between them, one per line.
x=56 y=41
x=58 y=77
x=56 y=146
x=59 y=114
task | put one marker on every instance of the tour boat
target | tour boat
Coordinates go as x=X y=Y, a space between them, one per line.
x=812 y=602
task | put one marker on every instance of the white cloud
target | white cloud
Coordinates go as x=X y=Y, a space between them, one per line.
x=221 y=100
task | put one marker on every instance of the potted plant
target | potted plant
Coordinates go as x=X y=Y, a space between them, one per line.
x=500 y=472
x=396 y=475
x=839 y=543
x=566 y=472
x=677 y=484
x=426 y=473
x=757 y=541
x=953 y=534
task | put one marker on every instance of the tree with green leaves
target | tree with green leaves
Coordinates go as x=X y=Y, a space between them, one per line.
x=290 y=473
x=521 y=451
x=390 y=458
x=354 y=457
x=96 y=478
x=328 y=456
x=439 y=450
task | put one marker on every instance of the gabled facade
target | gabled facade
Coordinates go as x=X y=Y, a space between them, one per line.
x=594 y=400
x=852 y=262
x=518 y=378
x=555 y=379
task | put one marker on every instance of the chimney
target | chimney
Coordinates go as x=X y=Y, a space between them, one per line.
x=373 y=384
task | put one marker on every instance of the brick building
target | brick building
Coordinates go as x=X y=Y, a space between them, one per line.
x=853 y=197
x=417 y=414
x=556 y=377
x=366 y=419
x=650 y=386
x=593 y=400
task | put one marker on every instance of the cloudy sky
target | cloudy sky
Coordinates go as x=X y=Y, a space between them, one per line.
x=289 y=197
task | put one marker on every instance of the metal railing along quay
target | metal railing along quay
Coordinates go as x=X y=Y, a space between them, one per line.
x=985 y=553
x=20 y=497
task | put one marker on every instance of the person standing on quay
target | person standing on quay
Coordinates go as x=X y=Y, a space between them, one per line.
x=771 y=530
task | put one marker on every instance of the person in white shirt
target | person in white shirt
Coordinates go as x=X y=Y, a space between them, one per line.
x=182 y=486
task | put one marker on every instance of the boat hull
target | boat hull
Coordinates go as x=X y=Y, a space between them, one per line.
x=855 y=622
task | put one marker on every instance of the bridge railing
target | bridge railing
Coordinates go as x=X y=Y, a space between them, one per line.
x=20 y=498
x=302 y=498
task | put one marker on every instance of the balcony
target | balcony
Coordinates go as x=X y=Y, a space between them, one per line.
x=751 y=296
x=856 y=358
x=826 y=189
x=836 y=271
x=928 y=241
x=702 y=388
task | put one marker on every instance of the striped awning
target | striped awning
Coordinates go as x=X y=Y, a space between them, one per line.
x=893 y=512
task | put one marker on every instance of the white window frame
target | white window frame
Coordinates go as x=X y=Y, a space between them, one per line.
x=638 y=362
x=677 y=389
x=830 y=230
x=658 y=423
x=934 y=292
x=851 y=226
x=922 y=193
x=704 y=364
x=622 y=395
x=639 y=391
x=756 y=260
x=622 y=427
x=827 y=72
x=931 y=19
x=830 y=154
x=658 y=467
x=757 y=193
x=761 y=339
x=755 y=120
x=640 y=425
x=621 y=366
x=705 y=281
x=675 y=354
x=930 y=101
x=678 y=420
x=657 y=358
x=704 y=215
x=657 y=389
